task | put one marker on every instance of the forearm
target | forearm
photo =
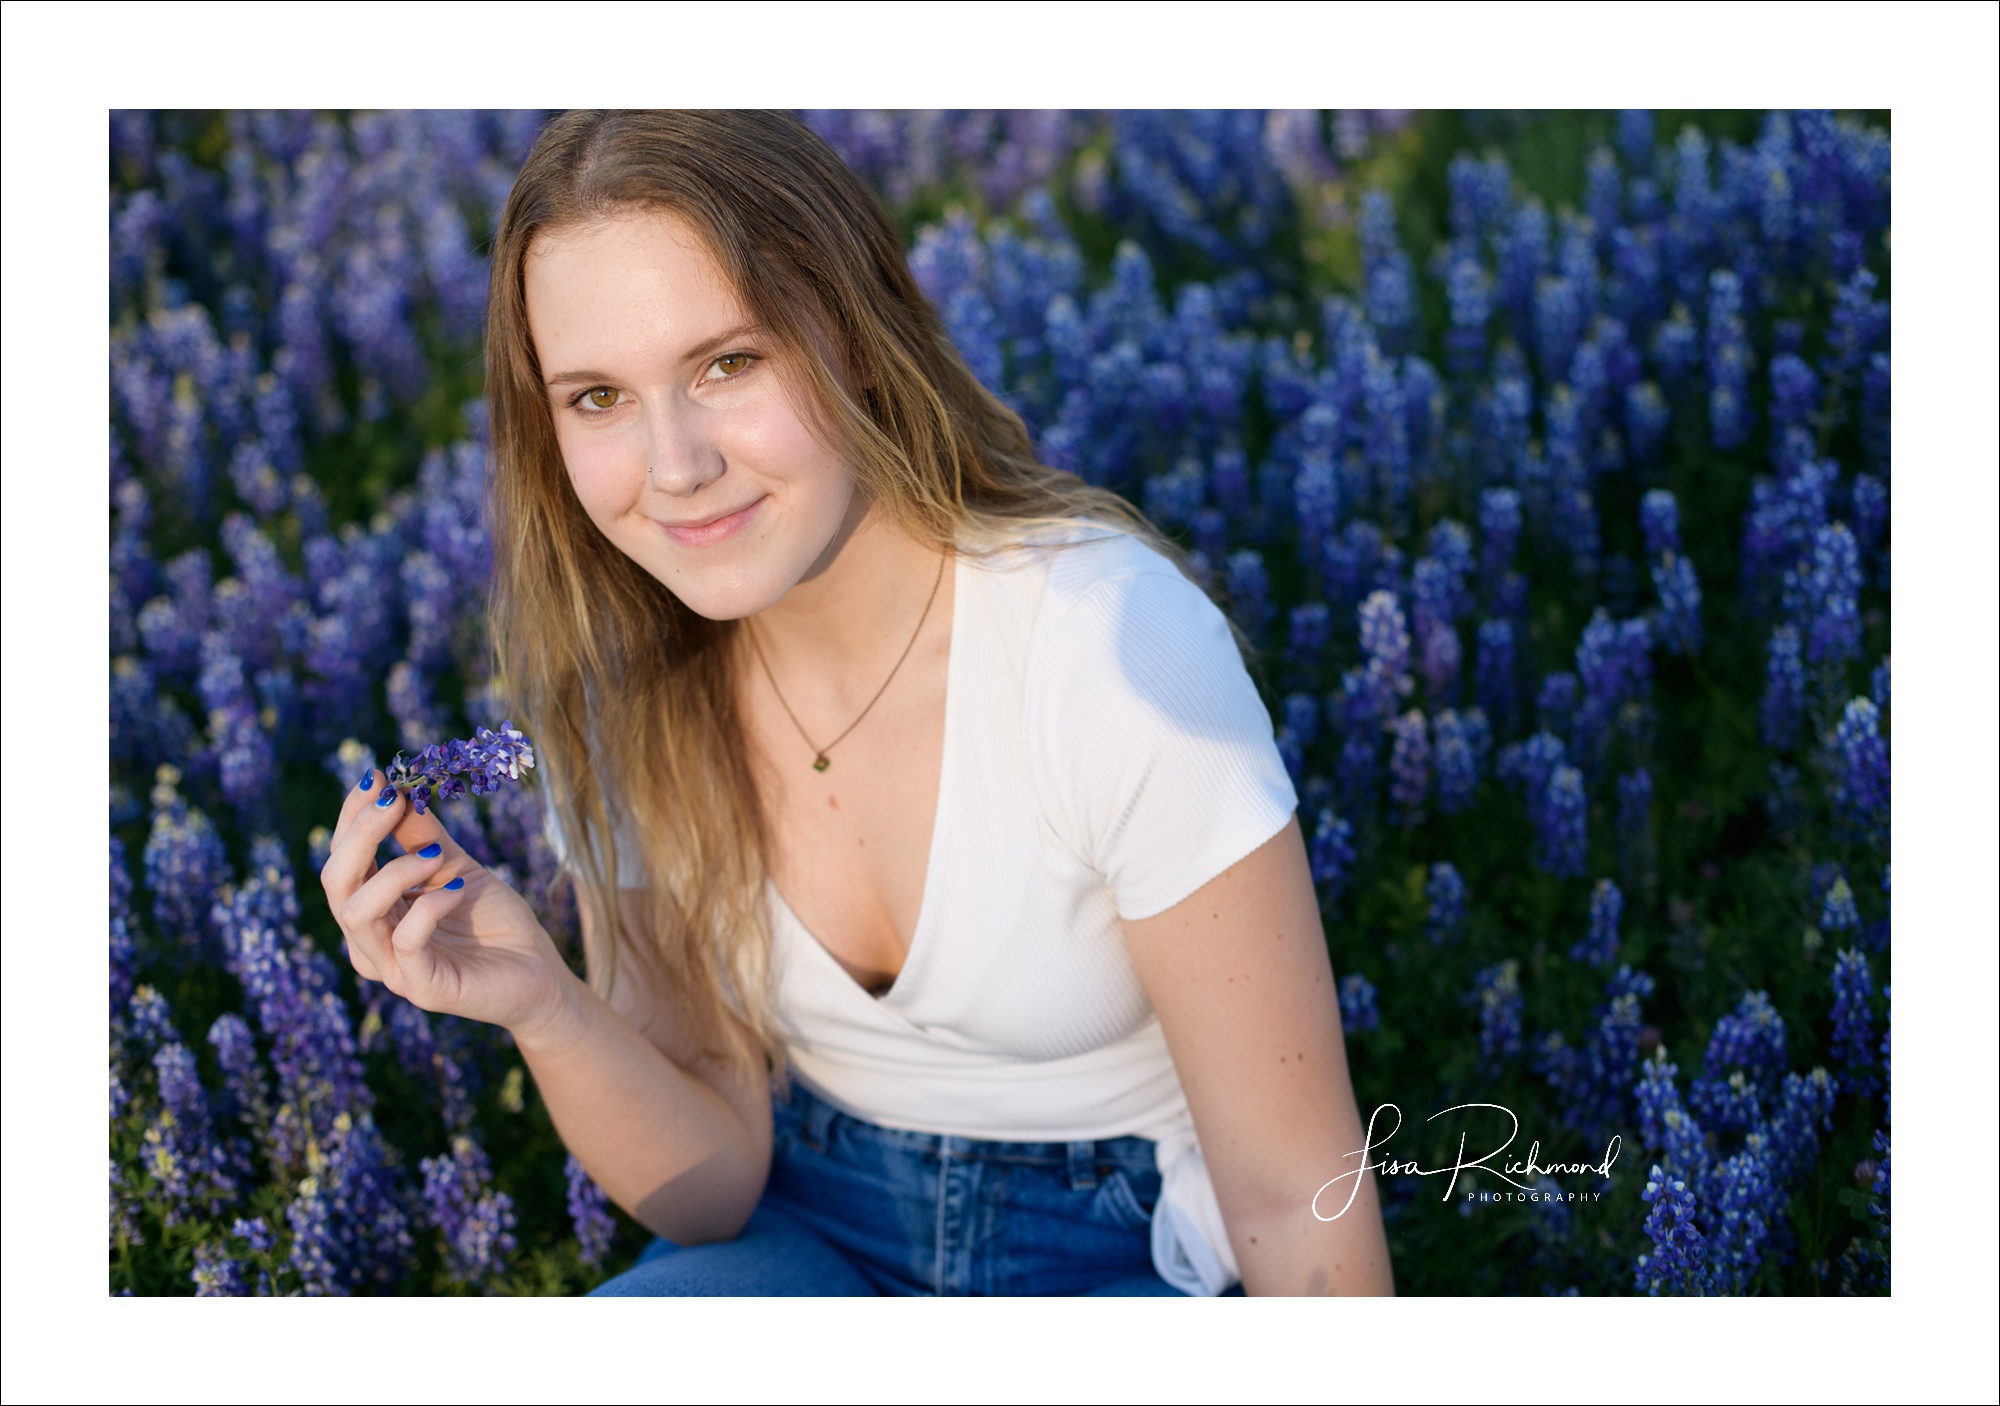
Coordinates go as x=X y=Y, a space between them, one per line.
x=1283 y=1247
x=663 y=1142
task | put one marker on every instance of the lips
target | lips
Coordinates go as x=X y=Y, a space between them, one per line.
x=709 y=531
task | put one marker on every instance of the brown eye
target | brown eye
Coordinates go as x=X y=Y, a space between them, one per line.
x=603 y=398
x=732 y=364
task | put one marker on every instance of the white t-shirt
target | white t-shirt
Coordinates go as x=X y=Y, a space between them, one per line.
x=1105 y=755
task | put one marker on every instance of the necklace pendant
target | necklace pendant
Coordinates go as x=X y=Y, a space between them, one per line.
x=821 y=763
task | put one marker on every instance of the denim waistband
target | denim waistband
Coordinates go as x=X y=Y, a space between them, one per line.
x=813 y=1119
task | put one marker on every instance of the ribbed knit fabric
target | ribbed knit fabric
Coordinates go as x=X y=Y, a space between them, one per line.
x=1105 y=755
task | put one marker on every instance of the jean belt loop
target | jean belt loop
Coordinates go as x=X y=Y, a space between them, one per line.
x=1083 y=1165
x=819 y=1118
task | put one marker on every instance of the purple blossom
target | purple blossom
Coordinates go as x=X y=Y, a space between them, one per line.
x=1457 y=762
x=1358 y=1012
x=1560 y=824
x=216 y=1274
x=1861 y=772
x=475 y=1222
x=1853 y=1022
x=1331 y=855
x=434 y=773
x=1445 y=890
x=1600 y=946
x=1409 y=767
x=1495 y=670
x=1784 y=705
x=1665 y=1126
x=589 y=1214
x=1678 y=1262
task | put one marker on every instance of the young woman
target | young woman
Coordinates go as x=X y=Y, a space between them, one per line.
x=948 y=926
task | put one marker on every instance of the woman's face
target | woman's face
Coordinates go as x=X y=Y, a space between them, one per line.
x=649 y=359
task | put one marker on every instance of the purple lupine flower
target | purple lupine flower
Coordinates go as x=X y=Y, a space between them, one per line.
x=313 y=1243
x=1249 y=588
x=1531 y=763
x=1446 y=892
x=1556 y=703
x=1853 y=1022
x=1825 y=600
x=1358 y=1012
x=1804 y=1111
x=1457 y=762
x=256 y=1231
x=1646 y=421
x=1861 y=772
x=475 y=1222
x=1614 y=665
x=1311 y=631
x=1494 y=671
x=294 y=989
x=1743 y=1065
x=1837 y=911
x=124 y=947
x=1742 y=1189
x=243 y=1079
x=1664 y=1124
x=589 y=1214
x=1331 y=855
x=1409 y=767
x=1593 y=1082
x=1784 y=705
x=191 y=1171
x=1560 y=829
x=1497 y=993
x=185 y=864
x=216 y=1274
x=1600 y=946
x=149 y=1021
x=1469 y=296
x=1301 y=711
x=443 y=1064
x=1385 y=641
x=1499 y=530
x=1680 y=604
x=434 y=773
x=1678 y=1262
x=1878 y=686
x=1659 y=522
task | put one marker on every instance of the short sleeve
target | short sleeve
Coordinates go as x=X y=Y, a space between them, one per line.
x=1152 y=753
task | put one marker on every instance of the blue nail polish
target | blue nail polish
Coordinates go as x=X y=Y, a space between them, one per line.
x=430 y=851
x=457 y=883
x=388 y=797
x=368 y=779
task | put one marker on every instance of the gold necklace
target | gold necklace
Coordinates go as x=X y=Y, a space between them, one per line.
x=820 y=759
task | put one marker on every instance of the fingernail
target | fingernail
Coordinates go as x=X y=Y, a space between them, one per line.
x=457 y=883
x=368 y=779
x=430 y=851
x=388 y=797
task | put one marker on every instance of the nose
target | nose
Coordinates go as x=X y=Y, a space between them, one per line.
x=680 y=458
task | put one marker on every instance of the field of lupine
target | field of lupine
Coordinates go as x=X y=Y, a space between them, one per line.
x=1544 y=458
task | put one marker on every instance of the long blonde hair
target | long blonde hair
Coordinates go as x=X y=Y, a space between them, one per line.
x=613 y=675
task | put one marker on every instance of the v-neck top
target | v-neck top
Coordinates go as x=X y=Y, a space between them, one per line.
x=1105 y=755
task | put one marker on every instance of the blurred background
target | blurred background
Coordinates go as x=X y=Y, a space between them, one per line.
x=1544 y=456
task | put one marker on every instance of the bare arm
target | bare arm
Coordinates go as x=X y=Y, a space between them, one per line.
x=1239 y=975
x=681 y=1142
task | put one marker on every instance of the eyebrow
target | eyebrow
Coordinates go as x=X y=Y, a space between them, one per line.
x=698 y=352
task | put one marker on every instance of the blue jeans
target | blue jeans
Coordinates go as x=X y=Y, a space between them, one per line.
x=854 y=1208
